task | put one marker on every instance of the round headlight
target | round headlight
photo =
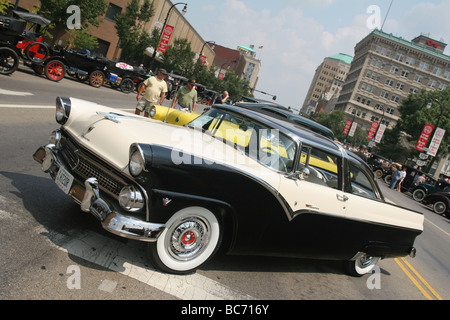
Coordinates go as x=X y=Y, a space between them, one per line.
x=130 y=199
x=152 y=112
x=137 y=163
x=55 y=137
x=63 y=106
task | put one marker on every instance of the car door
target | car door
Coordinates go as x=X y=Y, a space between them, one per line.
x=317 y=189
x=318 y=205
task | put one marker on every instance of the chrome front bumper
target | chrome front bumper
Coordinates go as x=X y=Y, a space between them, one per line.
x=91 y=201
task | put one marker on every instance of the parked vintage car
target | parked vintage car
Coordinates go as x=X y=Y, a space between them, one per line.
x=232 y=178
x=380 y=165
x=423 y=189
x=440 y=202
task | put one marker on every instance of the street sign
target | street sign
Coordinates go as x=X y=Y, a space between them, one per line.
x=423 y=156
x=421 y=163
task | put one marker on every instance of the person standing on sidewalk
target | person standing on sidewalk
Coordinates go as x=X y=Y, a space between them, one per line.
x=186 y=98
x=154 y=89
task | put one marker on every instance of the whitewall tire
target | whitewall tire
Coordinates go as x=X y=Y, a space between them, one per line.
x=191 y=237
x=361 y=266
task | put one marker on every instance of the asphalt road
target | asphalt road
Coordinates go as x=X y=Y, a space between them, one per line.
x=51 y=250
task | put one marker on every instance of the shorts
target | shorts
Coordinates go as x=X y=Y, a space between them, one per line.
x=179 y=107
x=144 y=105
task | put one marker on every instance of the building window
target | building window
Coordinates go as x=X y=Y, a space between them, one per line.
x=418 y=78
x=389 y=82
x=399 y=57
x=404 y=74
x=432 y=83
x=394 y=69
x=112 y=11
x=385 y=94
x=423 y=66
x=410 y=61
x=395 y=98
x=413 y=90
x=400 y=86
x=437 y=71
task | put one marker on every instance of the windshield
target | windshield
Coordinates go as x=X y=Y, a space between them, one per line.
x=260 y=142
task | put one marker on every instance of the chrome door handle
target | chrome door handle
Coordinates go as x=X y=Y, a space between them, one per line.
x=341 y=198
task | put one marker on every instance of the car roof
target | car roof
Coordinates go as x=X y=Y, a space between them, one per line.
x=297 y=132
x=313 y=125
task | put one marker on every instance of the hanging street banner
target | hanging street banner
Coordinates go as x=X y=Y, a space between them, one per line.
x=347 y=127
x=436 y=142
x=380 y=133
x=165 y=39
x=372 y=130
x=424 y=137
x=353 y=129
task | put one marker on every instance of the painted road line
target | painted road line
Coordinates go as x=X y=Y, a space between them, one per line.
x=126 y=259
x=405 y=265
x=15 y=93
x=21 y=106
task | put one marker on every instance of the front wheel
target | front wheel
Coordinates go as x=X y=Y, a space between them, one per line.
x=54 y=70
x=192 y=236
x=96 y=78
x=418 y=195
x=361 y=266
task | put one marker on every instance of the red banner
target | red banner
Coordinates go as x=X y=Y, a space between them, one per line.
x=372 y=130
x=424 y=137
x=165 y=39
x=347 y=126
x=203 y=59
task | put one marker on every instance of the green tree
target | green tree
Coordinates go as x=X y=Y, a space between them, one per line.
x=82 y=39
x=130 y=27
x=334 y=121
x=4 y=5
x=179 y=58
x=91 y=13
x=391 y=147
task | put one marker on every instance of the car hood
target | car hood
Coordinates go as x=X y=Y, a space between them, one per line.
x=109 y=133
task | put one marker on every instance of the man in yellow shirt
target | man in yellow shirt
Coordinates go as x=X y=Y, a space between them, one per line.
x=154 y=89
x=186 y=98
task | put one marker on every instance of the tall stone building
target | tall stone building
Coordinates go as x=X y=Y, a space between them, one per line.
x=385 y=70
x=327 y=84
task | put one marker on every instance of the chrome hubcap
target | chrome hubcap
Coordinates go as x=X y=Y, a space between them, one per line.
x=188 y=238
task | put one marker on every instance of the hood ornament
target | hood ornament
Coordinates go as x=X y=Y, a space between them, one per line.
x=166 y=201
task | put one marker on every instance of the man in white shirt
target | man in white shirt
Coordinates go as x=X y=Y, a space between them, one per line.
x=154 y=89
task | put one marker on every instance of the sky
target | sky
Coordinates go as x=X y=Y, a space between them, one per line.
x=296 y=35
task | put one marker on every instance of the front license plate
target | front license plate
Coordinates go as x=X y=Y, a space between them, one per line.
x=64 y=180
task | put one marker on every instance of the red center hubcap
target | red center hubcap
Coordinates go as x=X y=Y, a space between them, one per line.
x=188 y=238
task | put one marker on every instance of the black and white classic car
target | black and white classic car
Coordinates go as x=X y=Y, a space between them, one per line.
x=233 y=178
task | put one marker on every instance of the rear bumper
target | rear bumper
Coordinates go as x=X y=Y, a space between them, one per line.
x=89 y=196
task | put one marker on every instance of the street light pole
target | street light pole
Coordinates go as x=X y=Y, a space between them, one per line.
x=164 y=26
x=429 y=105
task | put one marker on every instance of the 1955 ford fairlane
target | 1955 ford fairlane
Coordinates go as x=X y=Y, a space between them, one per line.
x=232 y=178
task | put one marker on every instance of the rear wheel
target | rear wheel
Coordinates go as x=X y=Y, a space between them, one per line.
x=54 y=70
x=127 y=85
x=9 y=60
x=364 y=264
x=191 y=238
x=379 y=173
x=96 y=78
x=37 y=52
x=440 y=207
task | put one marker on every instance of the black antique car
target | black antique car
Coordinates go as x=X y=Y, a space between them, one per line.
x=419 y=192
x=380 y=165
x=19 y=42
x=440 y=201
x=232 y=178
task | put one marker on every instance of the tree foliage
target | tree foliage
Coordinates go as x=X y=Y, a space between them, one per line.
x=130 y=27
x=56 y=11
x=4 y=5
x=415 y=114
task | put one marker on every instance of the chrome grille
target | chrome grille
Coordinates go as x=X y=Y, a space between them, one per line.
x=86 y=167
